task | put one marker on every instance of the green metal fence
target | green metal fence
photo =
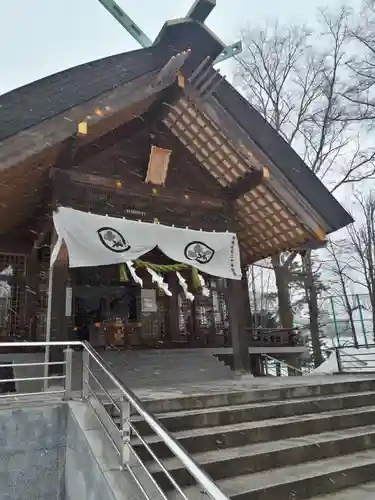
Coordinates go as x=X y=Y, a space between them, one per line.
x=349 y=320
x=343 y=320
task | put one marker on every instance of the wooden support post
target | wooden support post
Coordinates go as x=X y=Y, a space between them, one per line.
x=59 y=327
x=33 y=293
x=173 y=327
x=239 y=312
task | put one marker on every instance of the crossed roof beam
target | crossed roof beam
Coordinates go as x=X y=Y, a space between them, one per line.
x=199 y=11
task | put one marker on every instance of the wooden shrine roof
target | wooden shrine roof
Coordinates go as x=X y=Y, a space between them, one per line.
x=289 y=209
x=49 y=97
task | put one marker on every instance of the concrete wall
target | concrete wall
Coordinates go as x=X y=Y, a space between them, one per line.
x=32 y=452
x=60 y=452
x=84 y=478
x=93 y=469
x=45 y=455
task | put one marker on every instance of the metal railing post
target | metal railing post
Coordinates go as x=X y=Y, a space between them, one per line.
x=125 y=430
x=120 y=438
x=46 y=368
x=68 y=372
x=265 y=365
x=85 y=373
x=338 y=358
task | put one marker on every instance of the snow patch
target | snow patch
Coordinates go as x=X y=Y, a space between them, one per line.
x=351 y=360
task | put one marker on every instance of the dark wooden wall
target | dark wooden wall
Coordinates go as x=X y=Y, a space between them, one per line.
x=127 y=161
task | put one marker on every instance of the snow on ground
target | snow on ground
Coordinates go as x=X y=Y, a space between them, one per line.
x=351 y=360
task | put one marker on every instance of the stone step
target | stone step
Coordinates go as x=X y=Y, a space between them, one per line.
x=218 y=416
x=362 y=492
x=297 y=389
x=298 y=481
x=137 y=370
x=225 y=463
x=212 y=438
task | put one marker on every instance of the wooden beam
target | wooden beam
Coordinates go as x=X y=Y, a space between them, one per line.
x=251 y=180
x=12 y=280
x=201 y=9
x=181 y=197
x=132 y=98
x=87 y=148
x=68 y=151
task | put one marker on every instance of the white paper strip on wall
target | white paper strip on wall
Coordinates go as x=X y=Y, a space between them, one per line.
x=68 y=301
x=5 y=288
x=96 y=240
x=205 y=290
x=134 y=275
x=184 y=286
x=158 y=165
x=148 y=301
x=156 y=278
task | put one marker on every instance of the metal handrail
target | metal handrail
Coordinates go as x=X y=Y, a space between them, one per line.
x=355 y=358
x=283 y=363
x=52 y=343
x=199 y=475
x=179 y=452
x=340 y=355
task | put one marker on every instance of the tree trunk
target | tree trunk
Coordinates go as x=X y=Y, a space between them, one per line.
x=283 y=297
x=371 y=289
x=373 y=320
x=312 y=301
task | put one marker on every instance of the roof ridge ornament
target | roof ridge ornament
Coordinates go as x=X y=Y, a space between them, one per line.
x=203 y=81
x=170 y=71
x=199 y=12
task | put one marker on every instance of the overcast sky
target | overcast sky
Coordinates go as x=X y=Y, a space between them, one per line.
x=41 y=37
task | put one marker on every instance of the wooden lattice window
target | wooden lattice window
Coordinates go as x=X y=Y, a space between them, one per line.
x=41 y=312
x=154 y=325
x=212 y=312
x=184 y=310
x=13 y=308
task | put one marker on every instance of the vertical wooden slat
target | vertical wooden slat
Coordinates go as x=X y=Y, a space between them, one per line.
x=59 y=330
x=237 y=318
x=32 y=293
x=173 y=326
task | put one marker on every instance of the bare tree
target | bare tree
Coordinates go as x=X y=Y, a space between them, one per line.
x=312 y=302
x=342 y=269
x=361 y=89
x=293 y=77
x=295 y=82
x=362 y=237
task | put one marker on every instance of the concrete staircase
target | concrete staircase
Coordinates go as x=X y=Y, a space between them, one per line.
x=162 y=367
x=281 y=443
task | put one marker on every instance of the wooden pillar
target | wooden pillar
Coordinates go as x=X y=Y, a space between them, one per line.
x=174 y=313
x=59 y=323
x=33 y=294
x=238 y=310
